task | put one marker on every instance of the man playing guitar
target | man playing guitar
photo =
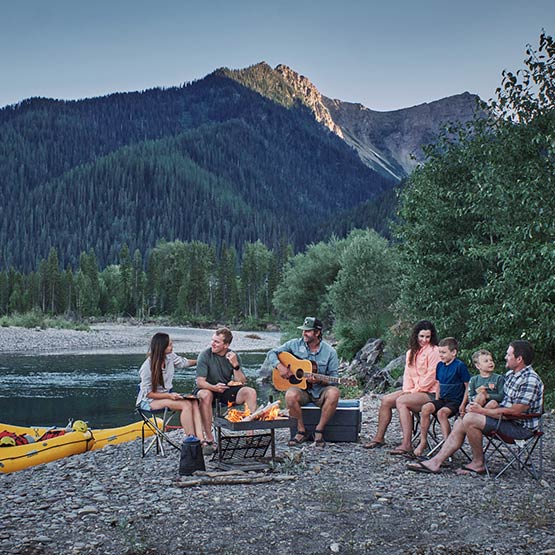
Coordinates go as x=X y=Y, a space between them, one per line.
x=310 y=347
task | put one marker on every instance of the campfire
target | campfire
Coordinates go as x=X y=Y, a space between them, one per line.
x=236 y=415
x=267 y=412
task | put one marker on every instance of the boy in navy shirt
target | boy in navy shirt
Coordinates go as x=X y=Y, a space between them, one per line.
x=453 y=377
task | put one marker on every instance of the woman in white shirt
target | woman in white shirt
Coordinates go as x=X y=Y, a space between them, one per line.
x=155 y=391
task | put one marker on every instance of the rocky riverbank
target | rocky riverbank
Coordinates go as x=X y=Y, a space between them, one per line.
x=123 y=339
x=343 y=499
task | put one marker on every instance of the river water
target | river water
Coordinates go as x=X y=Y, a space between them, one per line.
x=100 y=389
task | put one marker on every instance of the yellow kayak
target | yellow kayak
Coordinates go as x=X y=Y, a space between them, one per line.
x=70 y=443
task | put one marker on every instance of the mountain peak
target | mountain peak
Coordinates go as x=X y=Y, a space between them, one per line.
x=284 y=86
x=309 y=95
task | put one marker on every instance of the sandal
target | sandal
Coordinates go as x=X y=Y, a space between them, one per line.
x=208 y=447
x=319 y=442
x=300 y=437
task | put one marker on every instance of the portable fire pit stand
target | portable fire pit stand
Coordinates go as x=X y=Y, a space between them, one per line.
x=238 y=447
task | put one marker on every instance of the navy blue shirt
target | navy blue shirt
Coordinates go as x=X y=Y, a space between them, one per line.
x=451 y=378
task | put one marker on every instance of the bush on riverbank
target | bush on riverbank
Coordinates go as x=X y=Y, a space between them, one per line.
x=35 y=319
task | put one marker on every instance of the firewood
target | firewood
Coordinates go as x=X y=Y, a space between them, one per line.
x=260 y=411
x=233 y=480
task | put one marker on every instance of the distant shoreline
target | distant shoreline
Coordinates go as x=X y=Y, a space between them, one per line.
x=109 y=338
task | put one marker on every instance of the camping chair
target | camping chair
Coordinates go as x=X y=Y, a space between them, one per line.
x=520 y=454
x=157 y=421
x=435 y=440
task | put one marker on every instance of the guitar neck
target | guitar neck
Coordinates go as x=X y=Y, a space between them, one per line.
x=331 y=379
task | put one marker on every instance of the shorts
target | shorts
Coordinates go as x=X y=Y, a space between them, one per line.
x=453 y=406
x=145 y=404
x=507 y=428
x=229 y=395
x=306 y=397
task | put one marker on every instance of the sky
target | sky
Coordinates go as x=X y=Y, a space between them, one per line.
x=384 y=55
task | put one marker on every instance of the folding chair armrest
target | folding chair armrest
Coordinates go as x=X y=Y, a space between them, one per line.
x=522 y=416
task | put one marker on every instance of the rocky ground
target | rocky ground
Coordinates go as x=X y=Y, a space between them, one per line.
x=122 y=338
x=342 y=499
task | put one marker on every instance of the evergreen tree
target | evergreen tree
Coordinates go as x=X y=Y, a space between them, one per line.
x=53 y=283
x=125 y=286
x=137 y=285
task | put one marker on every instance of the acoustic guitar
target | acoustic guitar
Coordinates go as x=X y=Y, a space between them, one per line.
x=300 y=369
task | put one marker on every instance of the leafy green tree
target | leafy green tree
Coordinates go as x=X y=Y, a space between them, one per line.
x=303 y=289
x=364 y=290
x=477 y=220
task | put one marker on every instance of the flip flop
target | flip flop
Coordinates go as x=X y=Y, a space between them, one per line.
x=402 y=453
x=421 y=467
x=373 y=444
x=465 y=471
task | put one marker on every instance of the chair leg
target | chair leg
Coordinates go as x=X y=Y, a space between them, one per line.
x=157 y=425
x=518 y=455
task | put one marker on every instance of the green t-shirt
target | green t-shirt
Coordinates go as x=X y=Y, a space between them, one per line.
x=215 y=368
x=494 y=386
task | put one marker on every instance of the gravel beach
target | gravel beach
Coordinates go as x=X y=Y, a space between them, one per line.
x=340 y=499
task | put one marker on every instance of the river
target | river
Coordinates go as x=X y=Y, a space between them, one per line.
x=100 y=388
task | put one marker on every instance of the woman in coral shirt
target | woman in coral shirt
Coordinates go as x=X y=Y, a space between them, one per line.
x=419 y=387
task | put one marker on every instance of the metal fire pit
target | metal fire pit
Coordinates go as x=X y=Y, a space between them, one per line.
x=236 y=446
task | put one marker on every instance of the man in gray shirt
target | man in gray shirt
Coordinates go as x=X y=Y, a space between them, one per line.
x=220 y=378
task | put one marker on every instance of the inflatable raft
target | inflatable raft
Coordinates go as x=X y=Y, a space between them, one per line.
x=40 y=451
x=44 y=445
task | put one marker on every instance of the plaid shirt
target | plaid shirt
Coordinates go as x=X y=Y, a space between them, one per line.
x=524 y=388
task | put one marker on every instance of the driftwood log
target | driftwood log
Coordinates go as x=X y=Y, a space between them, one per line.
x=232 y=477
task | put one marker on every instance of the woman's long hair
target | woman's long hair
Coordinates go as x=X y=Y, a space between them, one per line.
x=414 y=346
x=157 y=353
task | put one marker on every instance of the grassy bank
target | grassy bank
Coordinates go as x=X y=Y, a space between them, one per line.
x=36 y=319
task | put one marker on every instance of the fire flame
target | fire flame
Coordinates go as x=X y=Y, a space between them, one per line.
x=271 y=414
x=236 y=415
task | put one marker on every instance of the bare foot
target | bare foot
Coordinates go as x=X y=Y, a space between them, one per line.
x=419 y=451
x=467 y=470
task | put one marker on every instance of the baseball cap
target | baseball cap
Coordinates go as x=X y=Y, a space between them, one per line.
x=311 y=323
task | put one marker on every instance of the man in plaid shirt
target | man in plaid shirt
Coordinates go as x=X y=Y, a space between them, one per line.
x=523 y=394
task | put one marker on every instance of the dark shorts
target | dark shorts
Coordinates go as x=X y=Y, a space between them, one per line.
x=453 y=406
x=229 y=395
x=508 y=428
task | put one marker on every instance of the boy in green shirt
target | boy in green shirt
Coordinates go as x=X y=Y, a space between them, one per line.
x=487 y=386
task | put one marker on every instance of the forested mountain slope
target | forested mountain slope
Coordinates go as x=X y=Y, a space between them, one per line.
x=212 y=160
x=237 y=156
